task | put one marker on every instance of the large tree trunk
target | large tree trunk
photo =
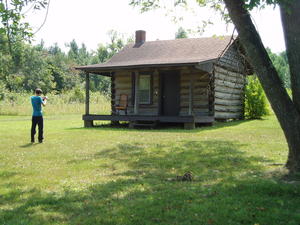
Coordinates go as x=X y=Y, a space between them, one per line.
x=290 y=21
x=284 y=108
x=291 y=26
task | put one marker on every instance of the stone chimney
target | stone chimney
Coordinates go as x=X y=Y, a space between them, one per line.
x=140 y=37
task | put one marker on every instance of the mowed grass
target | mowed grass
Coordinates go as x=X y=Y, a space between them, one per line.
x=120 y=176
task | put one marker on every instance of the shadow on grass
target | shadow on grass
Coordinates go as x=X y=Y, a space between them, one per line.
x=7 y=174
x=229 y=188
x=28 y=145
x=164 y=127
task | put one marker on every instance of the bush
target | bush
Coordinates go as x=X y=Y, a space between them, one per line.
x=255 y=99
x=3 y=90
x=77 y=96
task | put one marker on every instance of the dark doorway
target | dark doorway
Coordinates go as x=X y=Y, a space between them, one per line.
x=170 y=93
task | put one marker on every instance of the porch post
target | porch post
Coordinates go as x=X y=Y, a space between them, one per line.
x=159 y=92
x=113 y=94
x=211 y=96
x=136 y=95
x=87 y=123
x=191 y=87
x=87 y=93
x=190 y=125
x=113 y=98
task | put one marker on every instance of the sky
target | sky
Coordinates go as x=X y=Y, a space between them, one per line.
x=89 y=21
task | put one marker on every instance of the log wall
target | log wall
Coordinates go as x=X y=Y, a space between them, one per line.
x=229 y=93
x=229 y=84
x=123 y=85
x=199 y=90
x=232 y=60
x=151 y=109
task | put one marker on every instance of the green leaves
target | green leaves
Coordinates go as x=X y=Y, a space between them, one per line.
x=181 y=33
x=281 y=64
x=13 y=26
x=251 y=4
x=255 y=100
x=145 y=5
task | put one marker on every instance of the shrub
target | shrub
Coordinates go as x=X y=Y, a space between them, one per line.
x=77 y=96
x=255 y=99
x=3 y=90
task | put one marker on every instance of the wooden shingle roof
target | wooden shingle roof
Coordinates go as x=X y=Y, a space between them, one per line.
x=185 y=51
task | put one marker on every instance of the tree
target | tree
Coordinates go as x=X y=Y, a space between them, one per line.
x=280 y=62
x=255 y=99
x=36 y=71
x=59 y=65
x=12 y=24
x=287 y=110
x=14 y=33
x=24 y=67
x=73 y=52
x=104 y=53
x=181 y=33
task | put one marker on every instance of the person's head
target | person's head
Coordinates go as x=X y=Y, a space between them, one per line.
x=38 y=91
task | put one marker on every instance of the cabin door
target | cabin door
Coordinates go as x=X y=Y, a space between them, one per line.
x=170 y=93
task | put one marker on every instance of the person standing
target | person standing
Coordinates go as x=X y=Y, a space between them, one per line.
x=37 y=116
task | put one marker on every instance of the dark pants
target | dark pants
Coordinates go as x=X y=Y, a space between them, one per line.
x=37 y=120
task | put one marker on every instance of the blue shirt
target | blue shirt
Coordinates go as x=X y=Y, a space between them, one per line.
x=36 y=102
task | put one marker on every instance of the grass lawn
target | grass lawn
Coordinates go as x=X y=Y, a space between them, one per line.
x=126 y=177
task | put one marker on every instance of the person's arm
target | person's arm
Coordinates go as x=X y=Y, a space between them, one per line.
x=44 y=101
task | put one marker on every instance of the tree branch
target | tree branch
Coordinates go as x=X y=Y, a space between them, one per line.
x=8 y=31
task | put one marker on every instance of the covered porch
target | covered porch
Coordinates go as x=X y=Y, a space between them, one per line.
x=189 y=119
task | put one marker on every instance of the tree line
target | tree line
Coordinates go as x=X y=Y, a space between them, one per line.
x=24 y=67
x=52 y=69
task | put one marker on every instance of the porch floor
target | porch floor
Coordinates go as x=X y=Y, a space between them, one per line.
x=166 y=119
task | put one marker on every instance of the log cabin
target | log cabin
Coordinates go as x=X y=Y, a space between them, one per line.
x=188 y=81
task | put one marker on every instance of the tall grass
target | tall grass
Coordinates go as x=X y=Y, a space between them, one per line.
x=66 y=103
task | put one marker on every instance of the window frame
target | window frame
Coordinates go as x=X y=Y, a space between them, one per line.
x=150 y=101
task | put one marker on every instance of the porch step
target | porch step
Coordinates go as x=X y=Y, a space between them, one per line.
x=145 y=124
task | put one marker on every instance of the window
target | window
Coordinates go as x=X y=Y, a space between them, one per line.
x=145 y=89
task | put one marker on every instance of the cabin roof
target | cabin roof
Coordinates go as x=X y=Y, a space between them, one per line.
x=186 y=51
